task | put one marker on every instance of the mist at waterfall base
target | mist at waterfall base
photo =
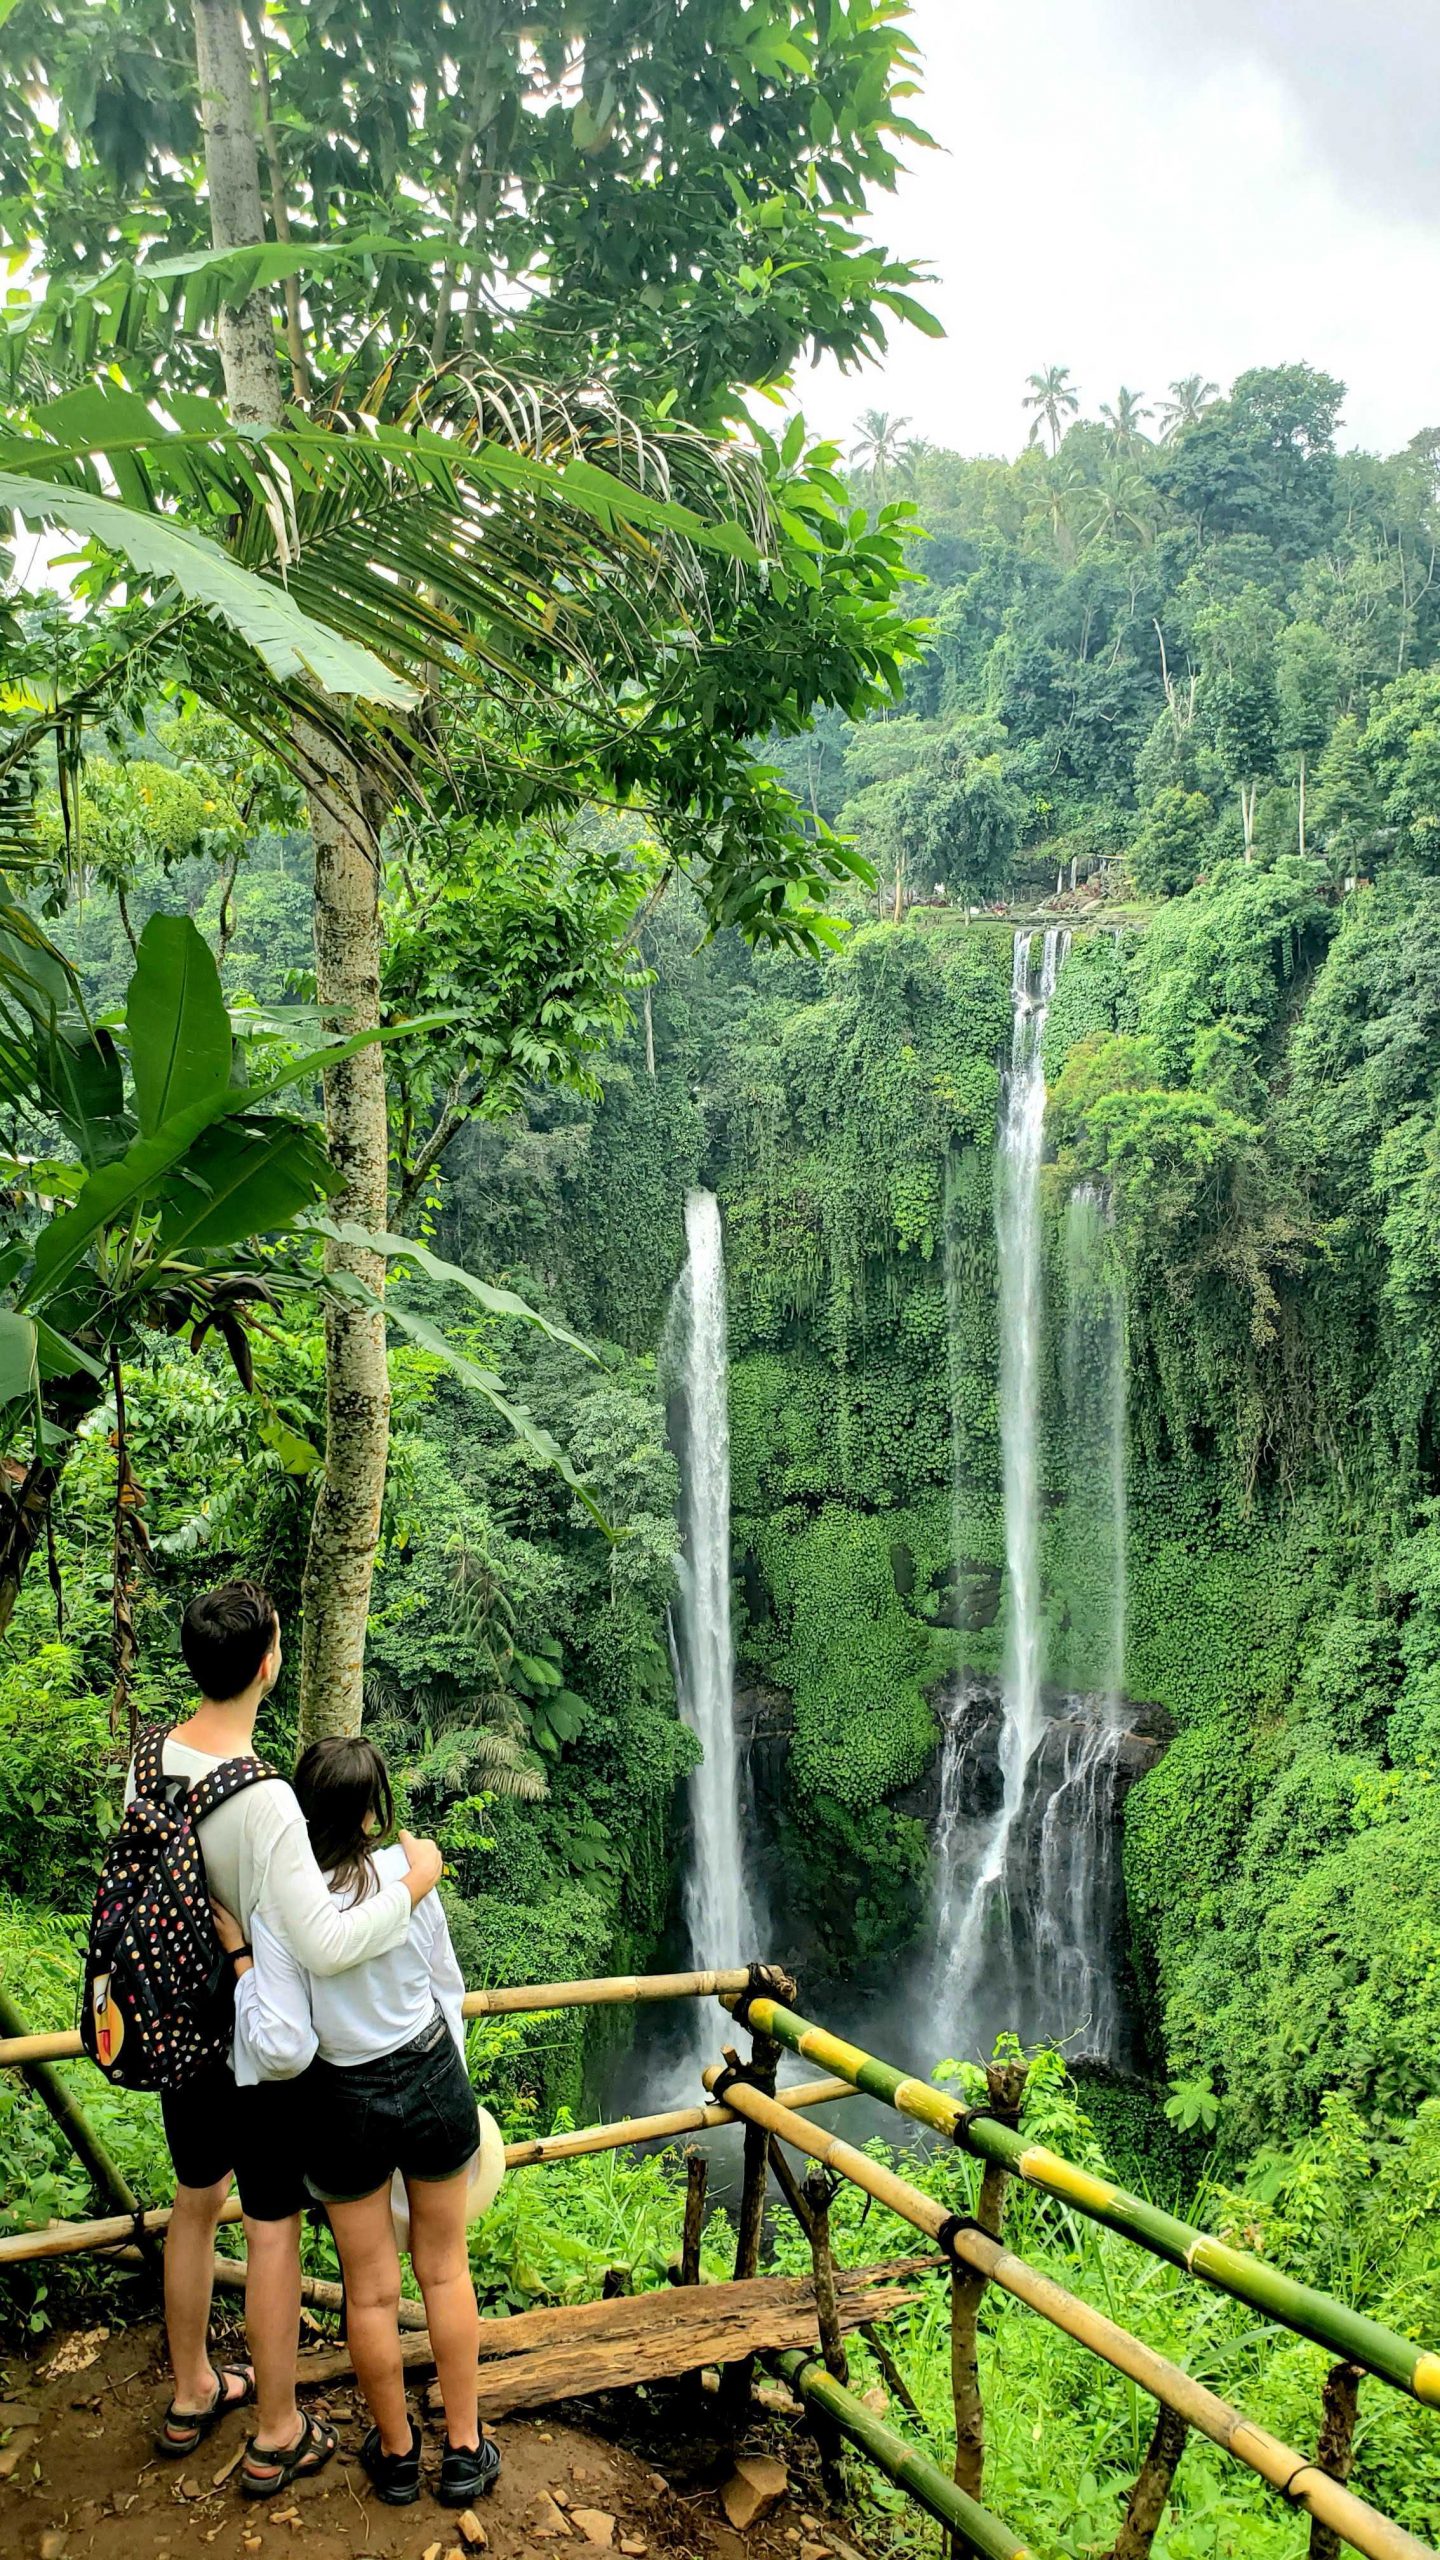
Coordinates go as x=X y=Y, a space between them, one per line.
x=1028 y=1899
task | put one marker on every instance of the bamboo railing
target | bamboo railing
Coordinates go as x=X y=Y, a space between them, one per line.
x=976 y=2255
x=1298 y=2479
x=515 y=2000
x=1348 y=2334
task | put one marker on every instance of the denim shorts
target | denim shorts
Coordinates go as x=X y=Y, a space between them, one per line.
x=413 y=2111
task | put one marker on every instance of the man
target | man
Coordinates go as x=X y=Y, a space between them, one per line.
x=257 y=1859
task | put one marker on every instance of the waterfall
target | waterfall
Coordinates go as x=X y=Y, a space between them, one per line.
x=718 y=1913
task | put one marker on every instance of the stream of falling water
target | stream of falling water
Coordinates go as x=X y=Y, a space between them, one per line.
x=719 y=1918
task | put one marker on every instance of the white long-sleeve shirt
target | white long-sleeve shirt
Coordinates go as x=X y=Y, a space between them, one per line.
x=286 y=2012
x=259 y=1863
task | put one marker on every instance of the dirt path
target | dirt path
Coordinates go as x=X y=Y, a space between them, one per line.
x=79 y=2479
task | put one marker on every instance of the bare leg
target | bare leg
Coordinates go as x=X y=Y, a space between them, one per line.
x=272 y=2324
x=440 y=2256
x=189 y=2282
x=365 y=2238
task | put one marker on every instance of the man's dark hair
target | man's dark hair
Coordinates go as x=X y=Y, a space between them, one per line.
x=225 y=1636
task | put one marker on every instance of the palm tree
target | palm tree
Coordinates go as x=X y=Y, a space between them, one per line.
x=1125 y=421
x=1116 y=508
x=881 y=446
x=1189 y=399
x=1054 y=399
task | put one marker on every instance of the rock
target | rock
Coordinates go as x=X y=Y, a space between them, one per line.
x=252 y=2542
x=633 y=2547
x=15 y=2452
x=53 y=2545
x=659 y=2483
x=877 y=2398
x=544 y=2517
x=757 y=2483
x=431 y=2552
x=190 y=2488
x=560 y=2497
x=812 y=2524
x=17 y=2413
x=814 y=2551
x=596 y=2525
x=471 y=2530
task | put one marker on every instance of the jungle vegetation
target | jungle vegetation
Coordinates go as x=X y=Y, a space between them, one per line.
x=297 y=753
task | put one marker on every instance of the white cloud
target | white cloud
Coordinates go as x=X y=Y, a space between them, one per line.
x=1100 y=203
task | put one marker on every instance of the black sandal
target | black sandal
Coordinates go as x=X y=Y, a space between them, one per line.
x=197 y=2423
x=309 y=2453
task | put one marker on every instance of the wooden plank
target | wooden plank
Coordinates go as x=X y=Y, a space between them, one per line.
x=571 y=2350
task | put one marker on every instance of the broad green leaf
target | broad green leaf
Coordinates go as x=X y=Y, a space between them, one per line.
x=19 y=1358
x=496 y=1302
x=290 y=643
x=243 y=1178
x=179 y=1030
x=77 y=1076
x=344 y=1284
x=118 y=1188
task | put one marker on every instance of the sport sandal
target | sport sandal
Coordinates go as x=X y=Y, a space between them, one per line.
x=268 y=2469
x=183 y=2431
x=468 y=2472
x=394 y=2477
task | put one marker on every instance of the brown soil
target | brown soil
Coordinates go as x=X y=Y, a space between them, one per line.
x=88 y=2486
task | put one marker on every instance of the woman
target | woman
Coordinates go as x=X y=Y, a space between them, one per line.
x=387 y=2090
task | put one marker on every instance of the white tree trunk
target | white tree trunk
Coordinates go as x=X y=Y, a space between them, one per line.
x=340 y=1559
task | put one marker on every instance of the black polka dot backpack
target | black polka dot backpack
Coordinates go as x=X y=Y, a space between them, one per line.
x=159 y=2000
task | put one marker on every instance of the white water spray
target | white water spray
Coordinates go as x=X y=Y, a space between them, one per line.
x=966 y=1904
x=718 y=1913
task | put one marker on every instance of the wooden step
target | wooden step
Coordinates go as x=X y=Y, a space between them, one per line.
x=573 y=2349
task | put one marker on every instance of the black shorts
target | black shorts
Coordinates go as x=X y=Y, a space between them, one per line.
x=413 y=2111
x=213 y=2128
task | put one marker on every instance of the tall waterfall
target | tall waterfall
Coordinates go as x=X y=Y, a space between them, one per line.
x=718 y=1913
x=1028 y=1880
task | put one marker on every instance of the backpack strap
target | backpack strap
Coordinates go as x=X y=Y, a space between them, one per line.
x=150 y=1778
x=230 y=1779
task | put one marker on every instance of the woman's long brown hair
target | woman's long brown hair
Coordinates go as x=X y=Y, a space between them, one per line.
x=340 y=1782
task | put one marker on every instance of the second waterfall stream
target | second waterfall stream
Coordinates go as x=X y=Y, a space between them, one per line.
x=1026 y=1869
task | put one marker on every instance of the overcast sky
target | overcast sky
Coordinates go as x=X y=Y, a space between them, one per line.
x=1147 y=188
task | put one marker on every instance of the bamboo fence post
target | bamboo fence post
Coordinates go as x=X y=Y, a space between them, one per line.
x=912 y=2471
x=1340 y=2409
x=1005 y=2089
x=759 y=2073
x=697 y=2172
x=819 y=2194
x=1298 y=2480
x=1150 y=2495
x=1280 y=2297
x=69 y=2115
x=786 y=2182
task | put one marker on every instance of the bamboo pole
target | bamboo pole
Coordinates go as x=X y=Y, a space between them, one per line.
x=70 y=2116
x=503 y=2002
x=547 y=2147
x=72 y=2239
x=911 y=2470
x=1297 y=2478
x=1349 y=2334
x=1005 y=2085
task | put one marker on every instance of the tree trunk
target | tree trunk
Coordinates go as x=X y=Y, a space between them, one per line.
x=1336 y=2454
x=345 y=1524
x=1005 y=2087
x=1150 y=2496
x=341 y=1556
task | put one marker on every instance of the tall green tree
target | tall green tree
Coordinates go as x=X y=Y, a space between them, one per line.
x=679 y=211
x=1054 y=399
